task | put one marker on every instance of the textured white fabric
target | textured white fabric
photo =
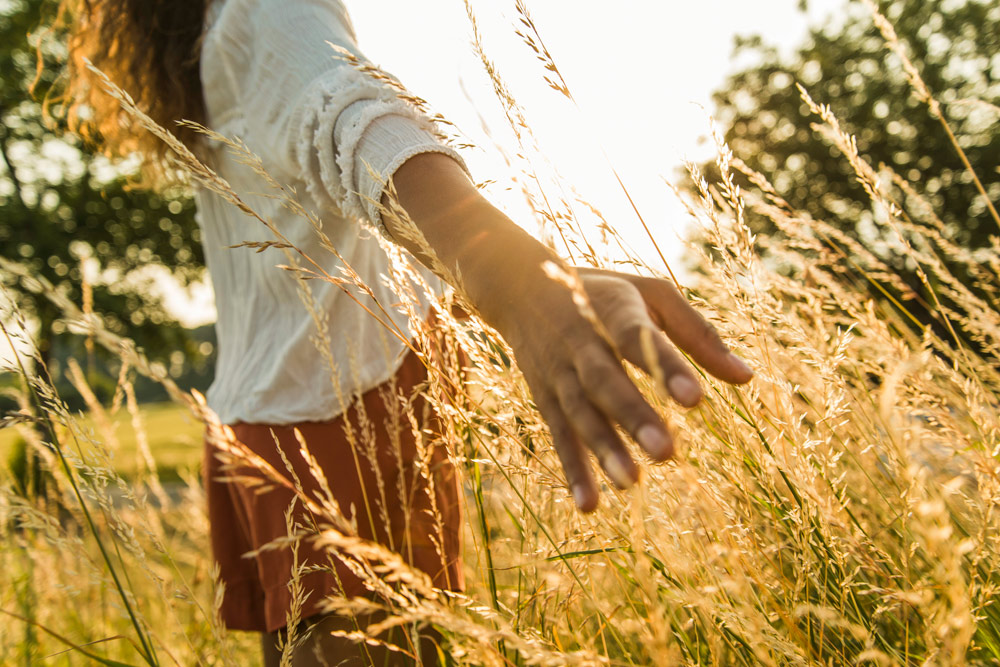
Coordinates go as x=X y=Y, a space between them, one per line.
x=334 y=135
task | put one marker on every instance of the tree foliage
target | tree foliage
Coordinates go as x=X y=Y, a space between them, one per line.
x=69 y=213
x=955 y=45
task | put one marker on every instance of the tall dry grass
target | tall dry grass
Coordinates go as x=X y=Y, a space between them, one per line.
x=841 y=509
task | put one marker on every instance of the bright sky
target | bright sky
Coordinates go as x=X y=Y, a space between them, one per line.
x=642 y=71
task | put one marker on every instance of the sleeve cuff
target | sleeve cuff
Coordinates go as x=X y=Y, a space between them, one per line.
x=375 y=138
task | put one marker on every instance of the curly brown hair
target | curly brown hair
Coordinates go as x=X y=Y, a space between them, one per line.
x=149 y=48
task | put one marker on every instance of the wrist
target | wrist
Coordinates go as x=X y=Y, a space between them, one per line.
x=502 y=273
x=498 y=263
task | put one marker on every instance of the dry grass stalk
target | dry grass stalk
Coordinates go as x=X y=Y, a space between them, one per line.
x=841 y=509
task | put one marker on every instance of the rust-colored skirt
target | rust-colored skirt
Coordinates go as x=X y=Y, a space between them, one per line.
x=425 y=529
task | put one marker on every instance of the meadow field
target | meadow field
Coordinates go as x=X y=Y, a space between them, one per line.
x=841 y=509
x=173 y=435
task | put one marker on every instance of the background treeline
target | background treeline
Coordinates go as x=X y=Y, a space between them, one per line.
x=847 y=65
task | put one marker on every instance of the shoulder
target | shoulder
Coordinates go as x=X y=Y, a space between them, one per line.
x=227 y=27
x=261 y=17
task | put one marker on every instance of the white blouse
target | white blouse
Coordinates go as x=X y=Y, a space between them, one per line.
x=271 y=79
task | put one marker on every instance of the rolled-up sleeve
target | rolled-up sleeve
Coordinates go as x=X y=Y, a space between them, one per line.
x=307 y=109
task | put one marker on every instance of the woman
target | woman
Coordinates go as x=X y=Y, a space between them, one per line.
x=263 y=71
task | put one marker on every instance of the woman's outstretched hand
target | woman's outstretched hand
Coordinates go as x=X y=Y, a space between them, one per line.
x=577 y=378
x=572 y=363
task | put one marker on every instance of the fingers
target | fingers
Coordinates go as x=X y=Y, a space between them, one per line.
x=572 y=454
x=640 y=341
x=691 y=332
x=593 y=430
x=658 y=358
x=609 y=388
x=581 y=419
x=583 y=391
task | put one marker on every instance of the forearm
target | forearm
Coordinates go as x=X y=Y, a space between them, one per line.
x=492 y=256
x=575 y=372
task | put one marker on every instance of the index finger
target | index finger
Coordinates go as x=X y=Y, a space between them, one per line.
x=691 y=332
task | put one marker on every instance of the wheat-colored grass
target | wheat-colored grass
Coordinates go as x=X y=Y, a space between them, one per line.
x=839 y=510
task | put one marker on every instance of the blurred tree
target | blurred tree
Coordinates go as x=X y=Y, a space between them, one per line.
x=68 y=213
x=955 y=45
